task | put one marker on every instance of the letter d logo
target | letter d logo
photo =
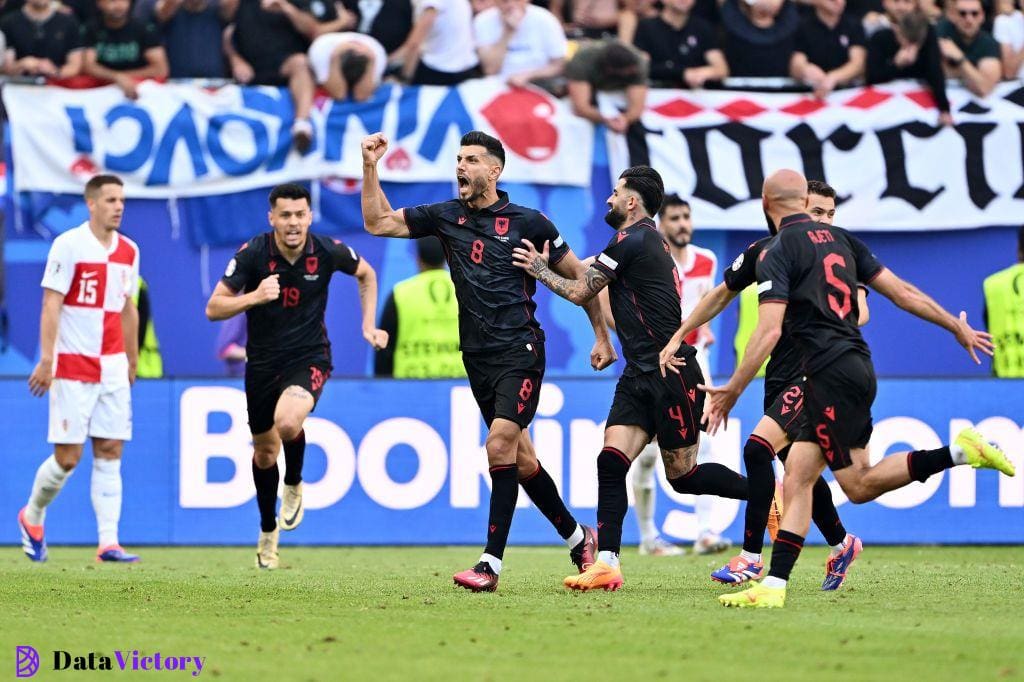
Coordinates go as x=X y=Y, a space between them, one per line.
x=26 y=661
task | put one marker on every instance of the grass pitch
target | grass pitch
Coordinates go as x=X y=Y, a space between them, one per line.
x=932 y=613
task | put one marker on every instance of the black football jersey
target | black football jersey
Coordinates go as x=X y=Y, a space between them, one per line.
x=815 y=269
x=290 y=329
x=496 y=307
x=644 y=294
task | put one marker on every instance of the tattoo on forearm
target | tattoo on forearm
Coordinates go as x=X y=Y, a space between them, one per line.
x=593 y=281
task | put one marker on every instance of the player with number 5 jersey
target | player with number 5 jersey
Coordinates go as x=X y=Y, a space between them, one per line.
x=501 y=340
x=279 y=279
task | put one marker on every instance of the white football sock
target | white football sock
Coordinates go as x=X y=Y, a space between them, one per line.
x=773 y=582
x=50 y=478
x=643 y=493
x=750 y=556
x=610 y=558
x=492 y=561
x=957 y=453
x=106 y=498
x=576 y=537
x=836 y=549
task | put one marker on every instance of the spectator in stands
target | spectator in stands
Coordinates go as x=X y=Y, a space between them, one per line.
x=631 y=15
x=682 y=47
x=969 y=52
x=595 y=19
x=607 y=66
x=191 y=29
x=348 y=64
x=421 y=317
x=481 y=5
x=120 y=49
x=909 y=50
x=759 y=36
x=830 y=49
x=892 y=10
x=1008 y=30
x=388 y=21
x=41 y=41
x=267 y=46
x=440 y=50
x=519 y=42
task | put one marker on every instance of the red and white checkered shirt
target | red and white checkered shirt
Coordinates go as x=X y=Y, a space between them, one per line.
x=697 y=277
x=96 y=282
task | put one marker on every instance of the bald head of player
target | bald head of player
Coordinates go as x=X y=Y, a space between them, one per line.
x=784 y=193
x=479 y=164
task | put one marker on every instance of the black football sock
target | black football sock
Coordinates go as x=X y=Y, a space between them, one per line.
x=758 y=456
x=612 y=467
x=784 y=554
x=711 y=479
x=824 y=514
x=504 y=492
x=294 y=454
x=923 y=463
x=544 y=494
x=266 y=494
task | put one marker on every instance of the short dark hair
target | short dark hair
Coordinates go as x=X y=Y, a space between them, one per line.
x=646 y=182
x=289 y=190
x=671 y=200
x=617 y=63
x=430 y=252
x=822 y=189
x=914 y=26
x=353 y=66
x=478 y=138
x=96 y=183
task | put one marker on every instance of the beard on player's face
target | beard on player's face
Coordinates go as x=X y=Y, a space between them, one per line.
x=679 y=238
x=471 y=188
x=615 y=217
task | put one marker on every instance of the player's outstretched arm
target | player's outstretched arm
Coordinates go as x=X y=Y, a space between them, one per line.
x=224 y=303
x=603 y=353
x=721 y=400
x=579 y=291
x=366 y=277
x=130 y=331
x=42 y=376
x=916 y=302
x=379 y=219
x=708 y=308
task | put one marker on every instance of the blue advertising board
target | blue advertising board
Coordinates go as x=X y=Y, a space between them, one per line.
x=392 y=462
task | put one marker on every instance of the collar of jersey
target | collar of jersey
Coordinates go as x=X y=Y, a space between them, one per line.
x=643 y=222
x=498 y=205
x=793 y=219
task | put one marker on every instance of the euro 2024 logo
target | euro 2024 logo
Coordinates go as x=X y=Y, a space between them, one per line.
x=26 y=661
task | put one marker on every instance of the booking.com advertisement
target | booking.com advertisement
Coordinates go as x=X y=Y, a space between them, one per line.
x=390 y=462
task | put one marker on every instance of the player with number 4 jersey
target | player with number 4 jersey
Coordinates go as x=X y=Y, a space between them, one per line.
x=279 y=279
x=501 y=340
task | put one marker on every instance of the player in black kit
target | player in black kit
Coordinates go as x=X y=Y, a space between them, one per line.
x=279 y=280
x=502 y=342
x=807 y=276
x=643 y=289
x=781 y=423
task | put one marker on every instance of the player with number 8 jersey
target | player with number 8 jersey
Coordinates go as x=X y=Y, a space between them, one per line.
x=501 y=341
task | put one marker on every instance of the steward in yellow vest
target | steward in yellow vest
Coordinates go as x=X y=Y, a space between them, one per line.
x=151 y=365
x=1004 y=316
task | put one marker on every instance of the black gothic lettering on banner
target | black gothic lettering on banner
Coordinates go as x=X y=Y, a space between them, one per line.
x=974 y=139
x=895 y=159
x=749 y=141
x=636 y=143
x=812 y=150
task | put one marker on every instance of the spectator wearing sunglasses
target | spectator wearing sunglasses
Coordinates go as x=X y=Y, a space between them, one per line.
x=969 y=52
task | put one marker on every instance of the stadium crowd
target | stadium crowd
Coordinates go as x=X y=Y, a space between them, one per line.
x=348 y=47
